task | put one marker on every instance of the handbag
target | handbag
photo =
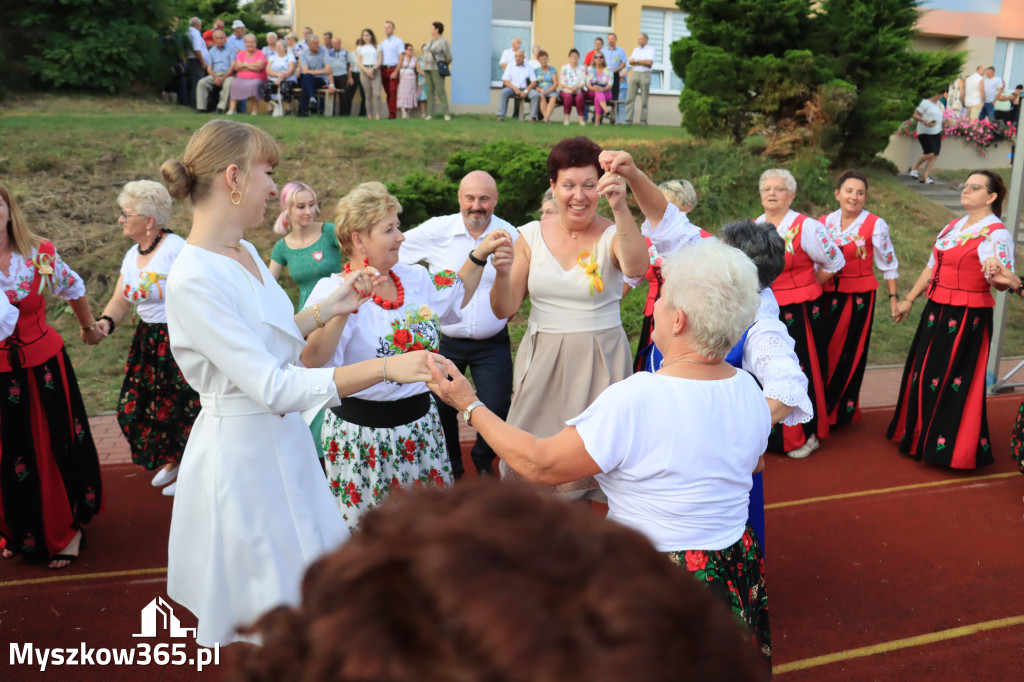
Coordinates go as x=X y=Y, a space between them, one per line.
x=442 y=68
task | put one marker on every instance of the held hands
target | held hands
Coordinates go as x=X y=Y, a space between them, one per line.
x=450 y=385
x=92 y=337
x=502 y=259
x=1000 y=275
x=612 y=187
x=410 y=368
x=618 y=162
x=894 y=309
x=903 y=309
x=356 y=288
x=491 y=243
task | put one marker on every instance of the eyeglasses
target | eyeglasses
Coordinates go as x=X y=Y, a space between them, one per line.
x=126 y=216
x=972 y=187
x=773 y=190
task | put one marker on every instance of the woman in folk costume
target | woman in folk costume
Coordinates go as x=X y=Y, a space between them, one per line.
x=940 y=416
x=49 y=470
x=812 y=258
x=849 y=297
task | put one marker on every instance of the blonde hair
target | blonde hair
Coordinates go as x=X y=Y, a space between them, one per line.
x=213 y=148
x=716 y=286
x=21 y=238
x=362 y=208
x=150 y=199
x=680 y=193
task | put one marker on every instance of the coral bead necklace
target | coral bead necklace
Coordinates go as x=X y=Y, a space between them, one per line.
x=377 y=298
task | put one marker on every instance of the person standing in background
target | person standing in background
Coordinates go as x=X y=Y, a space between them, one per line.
x=974 y=93
x=480 y=341
x=435 y=50
x=391 y=48
x=641 y=61
x=993 y=88
x=615 y=58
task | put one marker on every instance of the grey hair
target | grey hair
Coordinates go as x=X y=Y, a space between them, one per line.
x=646 y=37
x=271 y=33
x=195 y=21
x=549 y=195
x=778 y=173
x=150 y=199
x=761 y=243
x=681 y=191
x=313 y=36
x=715 y=286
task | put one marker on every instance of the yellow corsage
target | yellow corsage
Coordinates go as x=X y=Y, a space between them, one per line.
x=861 y=251
x=790 y=235
x=43 y=263
x=589 y=265
x=149 y=279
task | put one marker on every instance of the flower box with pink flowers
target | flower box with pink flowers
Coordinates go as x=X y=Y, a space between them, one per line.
x=966 y=144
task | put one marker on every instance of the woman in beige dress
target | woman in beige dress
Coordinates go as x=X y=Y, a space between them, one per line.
x=572 y=266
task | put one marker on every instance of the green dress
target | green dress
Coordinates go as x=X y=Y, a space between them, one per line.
x=310 y=265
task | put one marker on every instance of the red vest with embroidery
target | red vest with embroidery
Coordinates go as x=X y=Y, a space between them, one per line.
x=858 y=275
x=957 y=278
x=33 y=340
x=797 y=284
x=654 y=279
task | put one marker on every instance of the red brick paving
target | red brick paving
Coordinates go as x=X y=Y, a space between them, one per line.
x=880 y=387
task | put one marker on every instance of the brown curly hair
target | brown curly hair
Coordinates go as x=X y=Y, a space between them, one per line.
x=498 y=582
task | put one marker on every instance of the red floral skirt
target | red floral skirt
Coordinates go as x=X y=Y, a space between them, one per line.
x=157 y=407
x=736 y=575
x=49 y=470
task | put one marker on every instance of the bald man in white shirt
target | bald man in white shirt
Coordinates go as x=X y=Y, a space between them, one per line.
x=480 y=342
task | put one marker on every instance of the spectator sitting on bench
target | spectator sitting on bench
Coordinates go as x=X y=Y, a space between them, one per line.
x=315 y=71
x=219 y=70
x=251 y=69
x=520 y=81
x=281 y=73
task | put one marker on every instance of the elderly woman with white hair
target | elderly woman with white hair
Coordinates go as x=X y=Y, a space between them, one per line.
x=812 y=258
x=673 y=450
x=157 y=407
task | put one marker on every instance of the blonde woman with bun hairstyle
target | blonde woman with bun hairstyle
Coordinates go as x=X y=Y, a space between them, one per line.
x=252 y=510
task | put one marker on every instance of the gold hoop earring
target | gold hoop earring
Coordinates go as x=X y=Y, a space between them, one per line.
x=233 y=193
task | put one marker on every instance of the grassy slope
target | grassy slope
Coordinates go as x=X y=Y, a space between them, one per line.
x=67 y=158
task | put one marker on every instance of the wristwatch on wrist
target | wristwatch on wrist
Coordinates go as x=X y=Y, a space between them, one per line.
x=468 y=412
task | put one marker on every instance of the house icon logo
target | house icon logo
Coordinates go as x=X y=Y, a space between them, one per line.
x=159 y=611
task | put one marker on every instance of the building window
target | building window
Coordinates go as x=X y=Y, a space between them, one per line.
x=510 y=19
x=1009 y=63
x=592 y=21
x=663 y=27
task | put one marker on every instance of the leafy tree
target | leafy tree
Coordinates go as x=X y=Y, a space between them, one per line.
x=852 y=81
x=86 y=44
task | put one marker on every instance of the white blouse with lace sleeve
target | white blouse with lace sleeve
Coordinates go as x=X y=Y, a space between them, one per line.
x=885 y=255
x=768 y=354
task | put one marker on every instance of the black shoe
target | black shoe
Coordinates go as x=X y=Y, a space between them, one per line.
x=303 y=114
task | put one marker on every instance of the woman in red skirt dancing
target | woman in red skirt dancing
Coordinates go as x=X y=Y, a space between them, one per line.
x=940 y=417
x=849 y=297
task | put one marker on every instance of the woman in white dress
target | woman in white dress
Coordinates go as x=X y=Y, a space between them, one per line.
x=251 y=510
x=388 y=436
x=673 y=450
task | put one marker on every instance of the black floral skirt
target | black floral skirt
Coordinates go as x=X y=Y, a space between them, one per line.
x=941 y=415
x=49 y=470
x=808 y=325
x=736 y=575
x=157 y=407
x=850 y=317
x=1017 y=439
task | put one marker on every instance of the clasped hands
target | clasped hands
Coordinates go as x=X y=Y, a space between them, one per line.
x=498 y=245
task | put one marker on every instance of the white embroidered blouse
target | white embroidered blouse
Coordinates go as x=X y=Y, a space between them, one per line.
x=885 y=255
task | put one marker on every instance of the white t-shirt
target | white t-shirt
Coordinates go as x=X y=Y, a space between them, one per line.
x=930 y=111
x=282 y=64
x=972 y=93
x=508 y=57
x=992 y=86
x=367 y=55
x=677 y=455
x=146 y=287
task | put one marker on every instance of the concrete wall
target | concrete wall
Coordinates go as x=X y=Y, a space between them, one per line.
x=956 y=154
